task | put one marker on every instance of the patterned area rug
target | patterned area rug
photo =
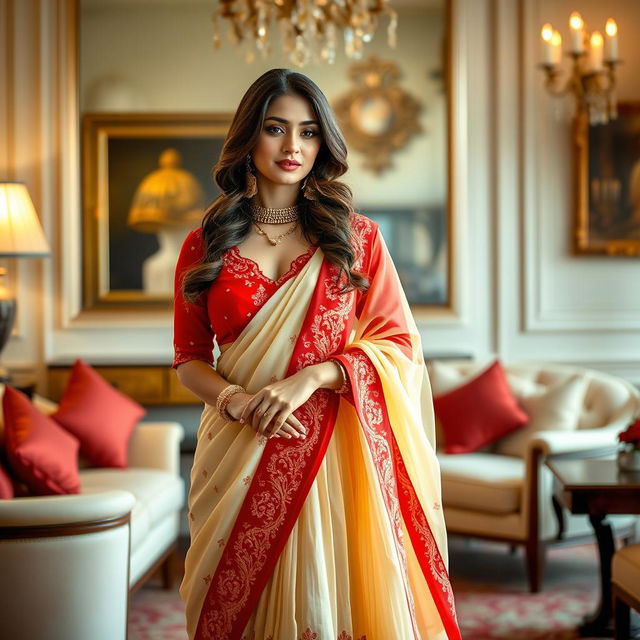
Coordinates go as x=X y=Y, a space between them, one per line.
x=491 y=593
x=494 y=602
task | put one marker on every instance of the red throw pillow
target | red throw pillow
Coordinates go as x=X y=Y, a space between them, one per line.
x=40 y=452
x=478 y=412
x=98 y=415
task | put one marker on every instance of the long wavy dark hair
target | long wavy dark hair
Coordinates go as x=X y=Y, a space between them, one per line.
x=227 y=221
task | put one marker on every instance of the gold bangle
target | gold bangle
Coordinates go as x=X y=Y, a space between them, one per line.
x=223 y=400
x=345 y=378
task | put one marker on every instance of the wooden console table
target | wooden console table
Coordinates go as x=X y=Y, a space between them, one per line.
x=146 y=384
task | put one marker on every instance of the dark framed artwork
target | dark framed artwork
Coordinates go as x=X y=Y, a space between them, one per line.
x=607 y=173
x=418 y=241
x=133 y=165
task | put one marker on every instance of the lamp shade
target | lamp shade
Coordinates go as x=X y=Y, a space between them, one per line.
x=21 y=234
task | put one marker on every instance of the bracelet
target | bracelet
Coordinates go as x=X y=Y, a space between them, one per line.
x=345 y=378
x=223 y=400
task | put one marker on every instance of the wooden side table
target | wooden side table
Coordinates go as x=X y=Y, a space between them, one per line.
x=596 y=487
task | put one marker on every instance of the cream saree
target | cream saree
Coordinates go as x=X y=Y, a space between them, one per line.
x=339 y=536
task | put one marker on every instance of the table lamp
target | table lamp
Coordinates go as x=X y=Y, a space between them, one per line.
x=21 y=236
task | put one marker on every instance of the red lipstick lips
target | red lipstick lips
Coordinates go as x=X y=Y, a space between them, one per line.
x=288 y=165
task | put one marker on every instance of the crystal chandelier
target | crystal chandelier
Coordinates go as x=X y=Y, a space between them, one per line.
x=310 y=29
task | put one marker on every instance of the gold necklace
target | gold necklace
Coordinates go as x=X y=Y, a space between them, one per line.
x=273 y=216
x=277 y=239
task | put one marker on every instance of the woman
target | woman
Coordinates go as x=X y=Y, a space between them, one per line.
x=314 y=506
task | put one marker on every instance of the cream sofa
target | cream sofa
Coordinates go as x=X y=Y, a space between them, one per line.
x=69 y=563
x=505 y=492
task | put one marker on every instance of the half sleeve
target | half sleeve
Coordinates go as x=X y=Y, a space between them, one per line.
x=192 y=332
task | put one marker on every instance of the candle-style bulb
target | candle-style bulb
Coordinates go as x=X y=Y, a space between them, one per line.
x=577 y=33
x=576 y=21
x=547 y=32
x=596 y=51
x=611 y=41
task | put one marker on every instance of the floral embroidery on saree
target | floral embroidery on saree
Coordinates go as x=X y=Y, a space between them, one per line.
x=370 y=408
x=252 y=545
x=385 y=450
x=421 y=526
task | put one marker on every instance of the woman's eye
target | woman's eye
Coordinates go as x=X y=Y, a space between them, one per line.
x=309 y=133
x=274 y=129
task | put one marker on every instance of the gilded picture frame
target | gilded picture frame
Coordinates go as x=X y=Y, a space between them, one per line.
x=607 y=184
x=121 y=158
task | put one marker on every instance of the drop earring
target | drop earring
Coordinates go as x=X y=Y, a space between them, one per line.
x=251 y=185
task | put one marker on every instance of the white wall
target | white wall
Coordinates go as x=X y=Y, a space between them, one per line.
x=520 y=293
x=577 y=309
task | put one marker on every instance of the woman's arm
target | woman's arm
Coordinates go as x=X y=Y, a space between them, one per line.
x=273 y=406
x=203 y=380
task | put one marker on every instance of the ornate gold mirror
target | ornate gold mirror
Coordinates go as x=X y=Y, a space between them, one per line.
x=378 y=116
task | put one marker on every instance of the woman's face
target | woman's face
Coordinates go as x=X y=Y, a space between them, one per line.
x=288 y=143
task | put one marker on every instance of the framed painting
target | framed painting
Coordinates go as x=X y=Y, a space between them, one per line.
x=607 y=173
x=418 y=241
x=146 y=182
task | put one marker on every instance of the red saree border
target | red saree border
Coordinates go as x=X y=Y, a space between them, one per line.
x=368 y=398
x=283 y=478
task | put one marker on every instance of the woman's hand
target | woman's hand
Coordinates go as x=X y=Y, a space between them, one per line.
x=271 y=409
x=292 y=427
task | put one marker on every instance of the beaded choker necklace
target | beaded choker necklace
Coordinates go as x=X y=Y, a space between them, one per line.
x=273 y=216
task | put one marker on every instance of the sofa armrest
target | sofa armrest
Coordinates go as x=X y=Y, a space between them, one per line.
x=156 y=445
x=581 y=441
x=60 y=510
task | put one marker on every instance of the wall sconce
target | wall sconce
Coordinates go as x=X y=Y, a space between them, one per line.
x=592 y=80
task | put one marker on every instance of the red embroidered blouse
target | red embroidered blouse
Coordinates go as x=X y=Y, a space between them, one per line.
x=227 y=306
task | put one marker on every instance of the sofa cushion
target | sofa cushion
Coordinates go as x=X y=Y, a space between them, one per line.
x=554 y=408
x=40 y=452
x=482 y=482
x=100 y=416
x=158 y=493
x=44 y=405
x=478 y=412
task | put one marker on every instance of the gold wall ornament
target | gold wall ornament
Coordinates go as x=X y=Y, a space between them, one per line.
x=310 y=29
x=378 y=117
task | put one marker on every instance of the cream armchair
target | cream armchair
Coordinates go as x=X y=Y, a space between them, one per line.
x=69 y=563
x=505 y=492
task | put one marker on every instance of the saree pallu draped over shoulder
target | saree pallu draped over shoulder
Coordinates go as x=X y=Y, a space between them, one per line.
x=339 y=536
